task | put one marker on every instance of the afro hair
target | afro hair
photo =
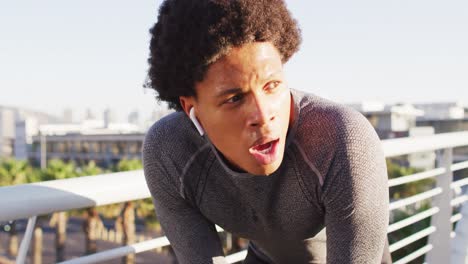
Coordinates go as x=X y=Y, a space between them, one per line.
x=192 y=34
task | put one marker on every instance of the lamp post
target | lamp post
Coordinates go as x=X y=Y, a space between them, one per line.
x=43 y=150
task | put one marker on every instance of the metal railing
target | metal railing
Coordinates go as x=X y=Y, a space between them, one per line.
x=32 y=200
x=439 y=233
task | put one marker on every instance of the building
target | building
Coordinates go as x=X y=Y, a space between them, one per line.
x=441 y=111
x=105 y=143
x=67 y=116
x=393 y=121
x=89 y=114
x=445 y=125
x=24 y=131
x=389 y=121
x=444 y=117
x=9 y=116
x=155 y=116
x=7 y=131
x=109 y=117
x=134 y=118
x=38 y=137
x=104 y=149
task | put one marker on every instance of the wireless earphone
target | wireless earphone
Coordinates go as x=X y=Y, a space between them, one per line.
x=195 y=122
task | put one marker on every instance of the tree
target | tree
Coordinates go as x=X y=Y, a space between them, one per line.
x=13 y=172
x=126 y=219
x=37 y=244
x=128 y=165
x=92 y=222
x=144 y=207
x=57 y=170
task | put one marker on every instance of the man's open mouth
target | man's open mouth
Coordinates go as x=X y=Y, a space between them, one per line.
x=265 y=153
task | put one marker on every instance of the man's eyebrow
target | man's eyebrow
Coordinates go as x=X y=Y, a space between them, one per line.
x=228 y=91
x=273 y=74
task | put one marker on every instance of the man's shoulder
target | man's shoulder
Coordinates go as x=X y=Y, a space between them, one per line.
x=159 y=134
x=326 y=128
x=171 y=136
x=324 y=117
x=164 y=127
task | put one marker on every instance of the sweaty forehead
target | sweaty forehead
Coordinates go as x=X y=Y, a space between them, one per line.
x=249 y=54
x=251 y=61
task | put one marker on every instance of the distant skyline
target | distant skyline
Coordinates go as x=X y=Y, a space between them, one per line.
x=92 y=54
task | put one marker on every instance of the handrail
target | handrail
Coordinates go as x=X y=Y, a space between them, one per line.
x=83 y=192
x=410 y=239
x=27 y=200
x=412 y=219
x=415 y=198
x=410 y=145
x=31 y=200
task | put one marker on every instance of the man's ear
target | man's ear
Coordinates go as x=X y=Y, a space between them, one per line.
x=187 y=102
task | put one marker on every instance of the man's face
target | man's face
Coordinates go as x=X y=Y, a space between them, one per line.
x=244 y=106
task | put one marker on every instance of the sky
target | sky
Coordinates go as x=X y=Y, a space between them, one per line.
x=82 y=54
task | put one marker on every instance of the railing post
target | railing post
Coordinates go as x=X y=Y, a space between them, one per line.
x=440 y=239
x=128 y=224
x=37 y=245
x=60 y=235
x=23 y=251
x=13 y=241
x=459 y=250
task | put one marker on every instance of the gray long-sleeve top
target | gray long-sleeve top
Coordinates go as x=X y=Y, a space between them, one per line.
x=333 y=175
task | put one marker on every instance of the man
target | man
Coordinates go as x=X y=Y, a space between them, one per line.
x=271 y=164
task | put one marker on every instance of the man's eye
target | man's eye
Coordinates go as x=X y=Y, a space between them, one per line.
x=234 y=99
x=273 y=85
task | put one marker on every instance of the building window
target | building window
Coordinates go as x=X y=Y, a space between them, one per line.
x=85 y=147
x=60 y=147
x=133 y=147
x=76 y=147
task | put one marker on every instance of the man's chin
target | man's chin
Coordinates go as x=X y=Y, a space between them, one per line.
x=265 y=170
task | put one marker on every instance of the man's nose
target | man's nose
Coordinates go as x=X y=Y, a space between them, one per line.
x=260 y=112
